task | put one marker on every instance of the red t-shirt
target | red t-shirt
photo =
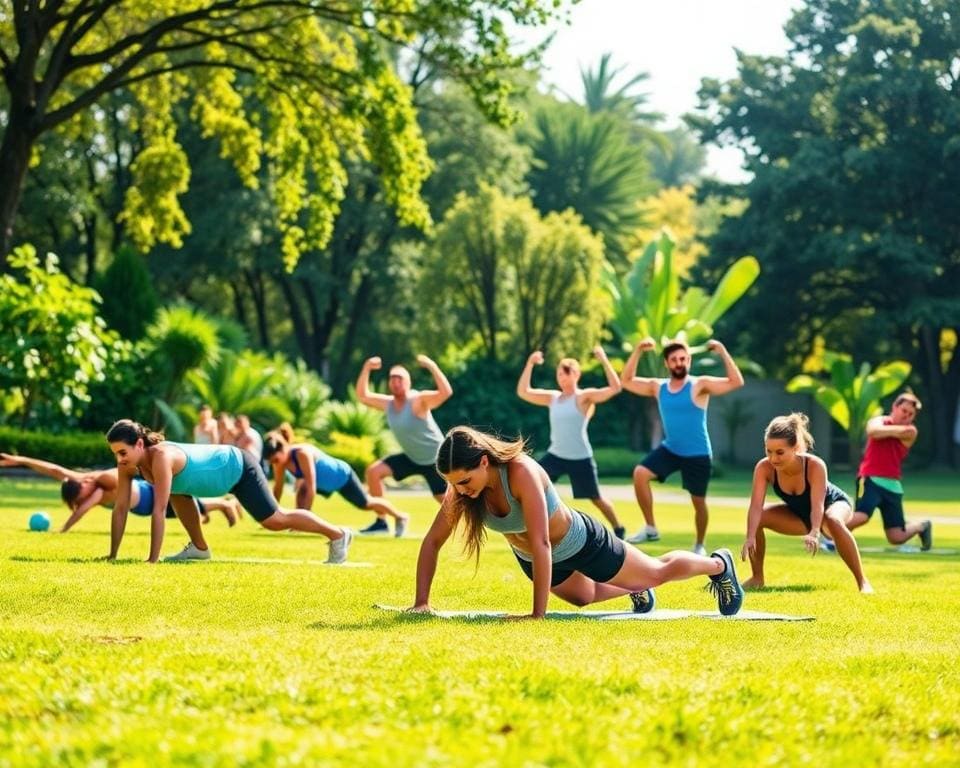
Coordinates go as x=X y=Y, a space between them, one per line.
x=883 y=457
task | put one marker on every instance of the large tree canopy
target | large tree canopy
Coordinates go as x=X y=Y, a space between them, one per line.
x=853 y=142
x=297 y=85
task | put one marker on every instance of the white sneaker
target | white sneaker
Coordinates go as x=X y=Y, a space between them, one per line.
x=400 y=528
x=699 y=549
x=648 y=533
x=189 y=552
x=339 y=547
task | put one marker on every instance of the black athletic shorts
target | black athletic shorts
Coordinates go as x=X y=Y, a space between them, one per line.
x=252 y=490
x=352 y=491
x=870 y=496
x=582 y=474
x=694 y=470
x=600 y=559
x=402 y=466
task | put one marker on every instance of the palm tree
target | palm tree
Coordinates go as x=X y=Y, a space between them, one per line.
x=599 y=96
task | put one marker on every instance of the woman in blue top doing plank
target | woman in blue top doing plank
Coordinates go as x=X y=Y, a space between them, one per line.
x=318 y=472
x=179 y=471
x=493 y=484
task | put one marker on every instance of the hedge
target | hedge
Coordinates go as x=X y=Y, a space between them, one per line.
x=73 y=450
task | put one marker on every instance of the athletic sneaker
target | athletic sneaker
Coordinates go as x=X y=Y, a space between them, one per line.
x=189 y=552
x=400 y=527
x=376 y=528
x=648 y=533
x=726 y=586
x=926 y=535
x=339 y=547
x=827 y=544
x=699 y=549
x=620 y=532
x=643 y=602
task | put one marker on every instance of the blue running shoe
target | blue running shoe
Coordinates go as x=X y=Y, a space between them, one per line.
x=726 y=586
x=643 y=602
x=827 y=544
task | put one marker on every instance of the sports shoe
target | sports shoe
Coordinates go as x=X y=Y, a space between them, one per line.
x=620 y=531
x=725 y=585
x=649 y=533
x=400 y=527
x=699 y=549
x=827 y=545
x=189 y=552
x=377 y=527
x=926 y=535
x=643 y=602
x=339 y=547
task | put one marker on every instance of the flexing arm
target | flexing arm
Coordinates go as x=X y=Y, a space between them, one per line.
x=527 y=486
x=594 y=395
x=639 y=385
x=761 y=477
x=434 y=398
x=525 y=391
x=436 y=537
x=81 y=509
x=40 y=467
x=905 y=433
x=364 y=395
x=720 y=385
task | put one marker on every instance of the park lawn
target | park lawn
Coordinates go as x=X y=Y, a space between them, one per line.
x=281 y=663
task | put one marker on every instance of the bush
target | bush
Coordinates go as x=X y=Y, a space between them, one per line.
x=358 y=451
x=73 y=450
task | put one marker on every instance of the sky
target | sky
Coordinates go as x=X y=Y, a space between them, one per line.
x=677 y=42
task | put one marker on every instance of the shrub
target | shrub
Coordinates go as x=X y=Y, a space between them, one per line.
x=74 y=450
x=358 y=451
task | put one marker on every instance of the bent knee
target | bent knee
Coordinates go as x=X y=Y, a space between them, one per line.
x=276 y=522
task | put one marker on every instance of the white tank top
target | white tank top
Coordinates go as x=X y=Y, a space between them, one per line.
x=568 y=429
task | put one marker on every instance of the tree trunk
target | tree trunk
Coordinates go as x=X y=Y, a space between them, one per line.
x=943 y=389
x=18 y=140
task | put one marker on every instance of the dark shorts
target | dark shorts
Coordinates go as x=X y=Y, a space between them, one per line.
x=402 y=467
x=694 y=470
x=832 y=496
x=582 y=474
x=600 y=559
x=253 y=491
x=870 y=496
x=352 y=491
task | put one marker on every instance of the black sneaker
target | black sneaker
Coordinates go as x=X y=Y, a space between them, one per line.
x=620 y=531
x=726 y=586
x=926 y=535
x=643 y=602
x=378 y=526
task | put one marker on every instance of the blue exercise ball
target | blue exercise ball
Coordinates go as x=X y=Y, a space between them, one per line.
x=39 y=521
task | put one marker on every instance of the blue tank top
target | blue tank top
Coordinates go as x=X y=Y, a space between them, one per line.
x=799 y=503
x=419 y=438
x=211 y=470
x=332 y=474
x=684 y=422
x=568 y=430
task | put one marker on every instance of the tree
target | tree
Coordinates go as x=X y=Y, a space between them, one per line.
x=852 y=398
x=599 y=96
x=852 y=142
x=294 y=84
x=130 y=302
x=678 y=160
x=674 y=210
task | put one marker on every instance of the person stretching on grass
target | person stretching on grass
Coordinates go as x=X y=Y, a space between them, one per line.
x=807 y=500
x=492 y=484
x=571 y=409
x=81 y=491
x=180 y=471
x=889 y=439
x=319 y=472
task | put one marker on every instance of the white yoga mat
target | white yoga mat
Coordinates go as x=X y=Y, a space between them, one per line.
x=659 y=614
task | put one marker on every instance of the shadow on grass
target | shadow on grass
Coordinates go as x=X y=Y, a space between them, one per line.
x=80 y=560
x=781 y=588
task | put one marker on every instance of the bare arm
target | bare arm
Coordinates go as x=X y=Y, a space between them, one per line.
x=364 y=395
x=307 y=487
x=525 y=391
x=720 y=385
x=434 y=398
x=81 y=509
x=527 y=486
x=817 y=477
x=639 y=385
x=118 y=518
x=594 y=395
x=47 y=468
x=762 y=475
x=905 y=433
x=161 y=468
x=436 y=537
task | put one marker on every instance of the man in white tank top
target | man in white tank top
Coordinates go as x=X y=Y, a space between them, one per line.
x=411 y=421
x=571 y=408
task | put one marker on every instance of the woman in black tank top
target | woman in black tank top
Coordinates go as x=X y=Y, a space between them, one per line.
x=808 y=502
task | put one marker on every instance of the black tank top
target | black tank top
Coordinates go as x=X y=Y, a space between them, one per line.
x=799 y=503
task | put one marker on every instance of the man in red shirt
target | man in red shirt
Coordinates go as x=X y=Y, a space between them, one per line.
x=889 y=439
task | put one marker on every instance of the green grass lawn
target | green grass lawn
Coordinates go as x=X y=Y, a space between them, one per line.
x=246 y=663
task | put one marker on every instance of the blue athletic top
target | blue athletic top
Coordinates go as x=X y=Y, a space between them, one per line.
x=332 y=474
x=145 y=503
x=568 y=430
x=684 y=422
x=799 y=503
x=419 y=438
x=210 y=470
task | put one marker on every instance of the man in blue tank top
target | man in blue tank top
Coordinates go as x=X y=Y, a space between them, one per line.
x=411 y=421
x=682 y=401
